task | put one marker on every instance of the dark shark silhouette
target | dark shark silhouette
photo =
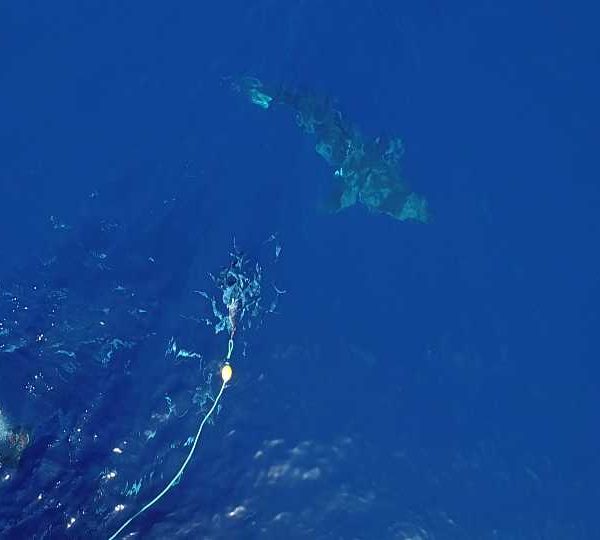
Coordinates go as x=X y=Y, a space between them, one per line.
x=365 y=171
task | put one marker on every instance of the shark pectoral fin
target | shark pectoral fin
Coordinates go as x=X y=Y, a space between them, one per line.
x=340 y=197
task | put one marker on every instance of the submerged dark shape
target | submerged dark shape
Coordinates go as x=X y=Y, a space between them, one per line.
x=13 y=441
x=366 y=170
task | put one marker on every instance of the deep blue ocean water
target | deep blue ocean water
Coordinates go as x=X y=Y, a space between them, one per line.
x=417 y=382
